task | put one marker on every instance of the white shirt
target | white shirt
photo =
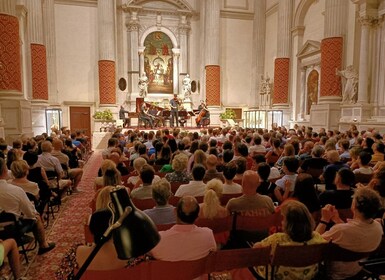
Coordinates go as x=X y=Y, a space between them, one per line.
x=13 y=199
x=281 y=182
x=194 y=188
x=233 y=188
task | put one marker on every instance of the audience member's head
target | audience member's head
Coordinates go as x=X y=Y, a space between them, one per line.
x=187 y=210
x=198 y=172
x=297 y=221
x=46 y=147
x=250 y=182
x=291 y=164
x=264 y=171
x=229 y=170
x=364 y=158
x=19 y=168
x=241 y=165
x=211 y=162
x=103 y=199
x=345 y=178
x=138 y=164
x=161 y=192
x=147 y=174
x=179 y=163
x=367 y=202
x=332 y=156
x=216 y=185
x=228 y=155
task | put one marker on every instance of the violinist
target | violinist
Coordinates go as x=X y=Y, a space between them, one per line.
x=203 y=117
x=174 y=104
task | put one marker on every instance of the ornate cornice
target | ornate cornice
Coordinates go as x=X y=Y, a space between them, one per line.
x=368 y=20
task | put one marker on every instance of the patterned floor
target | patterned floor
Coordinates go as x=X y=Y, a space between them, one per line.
x=67 y=228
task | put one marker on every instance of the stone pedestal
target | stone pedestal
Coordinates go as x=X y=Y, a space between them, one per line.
x=355 y=112
x=325 y=116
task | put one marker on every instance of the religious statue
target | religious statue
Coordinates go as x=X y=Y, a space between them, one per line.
x=350 y=91
x=187 y=86
x=143 y=85
x=265 y=90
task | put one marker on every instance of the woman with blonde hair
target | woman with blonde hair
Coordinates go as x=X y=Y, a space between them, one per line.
x=211 y=207
x=179 y=165
x=20 y=170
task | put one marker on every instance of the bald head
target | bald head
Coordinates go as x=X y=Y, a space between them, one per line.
x=187 y=210
x=211 y=162
x=250 y=182
x=115 y=157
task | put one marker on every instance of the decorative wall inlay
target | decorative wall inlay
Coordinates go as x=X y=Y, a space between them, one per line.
x=10 y=67
x=213 y=85
x=281 y=80
x=39 y=72
x=331 y=59
x=107 y=83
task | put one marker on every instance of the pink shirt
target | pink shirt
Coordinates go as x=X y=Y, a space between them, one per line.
x=184 y=242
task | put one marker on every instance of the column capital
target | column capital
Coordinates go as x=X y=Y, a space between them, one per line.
x=184 y=29
x=132 y=25
x=367 y=20
x=141 y=50
x=175 y=52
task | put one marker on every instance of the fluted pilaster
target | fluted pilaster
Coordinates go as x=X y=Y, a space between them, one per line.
x=50 y=44
x=106 y=28
x=336 y=18
x=285 y=8
x=258 y=60
x=183 y=28
x=8 y=7
x=212 y=25
x=35 y=21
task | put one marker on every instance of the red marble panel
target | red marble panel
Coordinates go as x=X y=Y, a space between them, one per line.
x=213 y=85
x=107 y=83
x=281 y=81
x=39 y=72
x=10 y=59
x=331 y=59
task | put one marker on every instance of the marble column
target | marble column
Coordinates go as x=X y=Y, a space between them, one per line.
x=366 y=22
x=38 y=50
x=332 y=47
x=175 y=61
x=141 y=60
x=303 y=94
x=50 y=43
x=107 y=75
x=282 y=62
x=381 y=67
x=212 y=52
x=10 y=58
x=132 y=24
x=258 y=58
x=183 y=28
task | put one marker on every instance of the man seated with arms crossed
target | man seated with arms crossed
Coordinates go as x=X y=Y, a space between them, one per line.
x=185 y=241
x=14 y=200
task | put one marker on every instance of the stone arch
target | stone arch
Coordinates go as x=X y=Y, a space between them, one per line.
x=301 y=11
x=165 y=30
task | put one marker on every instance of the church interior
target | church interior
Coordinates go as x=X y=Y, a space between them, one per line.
x=317 y=63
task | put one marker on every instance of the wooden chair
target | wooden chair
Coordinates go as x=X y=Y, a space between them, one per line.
x=227 y=196
x=345 y=214
x=175 y=186
x=239 y=258
x=363 y=178
x=164 y=227
x=143 y=204
x=297 y=256
x=257 y=223
x=217 y=225
x=336 y=253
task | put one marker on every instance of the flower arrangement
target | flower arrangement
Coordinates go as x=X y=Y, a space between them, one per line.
x=103 y=115
x=227 y=114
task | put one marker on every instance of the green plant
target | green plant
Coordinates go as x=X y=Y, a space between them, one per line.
x=227 y=114
x=103 y=115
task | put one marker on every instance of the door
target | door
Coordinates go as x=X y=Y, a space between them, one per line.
x=80 y=119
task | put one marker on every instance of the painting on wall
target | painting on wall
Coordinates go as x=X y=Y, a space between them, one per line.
x=312 y=89
x=158 y=62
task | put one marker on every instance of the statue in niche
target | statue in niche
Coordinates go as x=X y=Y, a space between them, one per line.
x=350 y=90
x=187 y=86
x=265 y=90
x=312 y=89
x=143 y=85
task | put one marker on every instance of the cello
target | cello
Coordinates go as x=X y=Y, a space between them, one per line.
x=201 y=114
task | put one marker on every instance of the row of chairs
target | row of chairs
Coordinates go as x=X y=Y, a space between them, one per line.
x=226 y=260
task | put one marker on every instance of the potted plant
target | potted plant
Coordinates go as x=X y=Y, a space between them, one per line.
x=228 y=114
x=105 y=115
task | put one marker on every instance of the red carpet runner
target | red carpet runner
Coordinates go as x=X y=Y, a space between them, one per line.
x=68 y=226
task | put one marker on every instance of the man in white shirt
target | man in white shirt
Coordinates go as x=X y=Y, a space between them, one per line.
x=196 y=187
x=14 y=200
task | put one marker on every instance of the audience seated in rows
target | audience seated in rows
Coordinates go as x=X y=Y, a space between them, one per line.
x=144 y=191
x=211 y=171
x=229 y=171
x=179 y=165
x=196 y=187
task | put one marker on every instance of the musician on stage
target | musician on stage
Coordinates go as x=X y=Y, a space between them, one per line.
x=158 y=119
x=145 y=116
x=203 y=117
x=122 y=116
x=174 y=103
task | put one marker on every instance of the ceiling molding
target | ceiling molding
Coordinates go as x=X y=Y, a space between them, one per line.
x=87 y=3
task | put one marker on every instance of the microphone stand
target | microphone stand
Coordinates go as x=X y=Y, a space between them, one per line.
x=102 y=241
